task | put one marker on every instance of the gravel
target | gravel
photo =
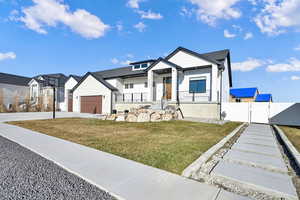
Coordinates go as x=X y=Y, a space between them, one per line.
x=26 y=175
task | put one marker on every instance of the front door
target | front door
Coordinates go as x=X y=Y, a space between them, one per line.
x=167 y=88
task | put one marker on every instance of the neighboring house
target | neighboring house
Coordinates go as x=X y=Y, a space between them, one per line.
x=243 y=94
x=198 y=83
x=13 y=87
x=40 y=89
x=69 y=85
x=264 y=98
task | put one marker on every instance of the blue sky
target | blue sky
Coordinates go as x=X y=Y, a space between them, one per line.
x=75 y=36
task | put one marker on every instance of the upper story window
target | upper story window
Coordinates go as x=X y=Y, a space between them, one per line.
x=197 y=85
x=128 y=85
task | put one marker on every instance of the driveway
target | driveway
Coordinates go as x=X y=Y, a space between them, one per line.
x=26 y=175
x=5 y=117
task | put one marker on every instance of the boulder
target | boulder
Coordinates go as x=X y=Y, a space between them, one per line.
x=155 y=117
x=131 y=118
x=167 y=117
x=111 y=117
x=120 y=118
x=143 y=117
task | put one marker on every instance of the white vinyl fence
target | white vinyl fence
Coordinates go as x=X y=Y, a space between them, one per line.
x=256 y=112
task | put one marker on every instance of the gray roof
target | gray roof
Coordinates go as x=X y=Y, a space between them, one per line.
x=120 y=72
x=217 y=55
x=61 y=78
x=14 y=79
x=77 y=78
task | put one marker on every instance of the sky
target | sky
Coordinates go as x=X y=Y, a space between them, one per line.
x=76 y=36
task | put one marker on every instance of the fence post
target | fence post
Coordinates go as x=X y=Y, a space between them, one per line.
x=193 y=96
x=123 y=97
x=141 y=97
x=132 y=97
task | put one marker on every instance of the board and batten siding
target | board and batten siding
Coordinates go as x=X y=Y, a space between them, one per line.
x=69 y=85
x=92 y=87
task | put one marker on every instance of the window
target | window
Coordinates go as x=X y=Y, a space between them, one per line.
x=198 y=86
x=237 y=100
x=128 y=85
x=146 y=84
x=145 y=65
x=137 y=66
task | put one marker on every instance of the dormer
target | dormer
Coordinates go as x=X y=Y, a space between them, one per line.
x=141 y=65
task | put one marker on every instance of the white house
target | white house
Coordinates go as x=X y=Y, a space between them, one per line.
x=197 y=83
x=41 y=89
x=69 y=85
x=12 y=87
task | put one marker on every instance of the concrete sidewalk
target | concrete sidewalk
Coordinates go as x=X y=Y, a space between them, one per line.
x=123 y=178
x=6 y=117
x=256 y=162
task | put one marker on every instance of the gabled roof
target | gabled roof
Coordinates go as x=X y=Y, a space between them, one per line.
x=164 y=61
x=77 y=78
x=243 y=92
x=14 y=79
x=202 y=56
x=217 y=55
x=263 y=98
x=61 y=78
x=99 y=78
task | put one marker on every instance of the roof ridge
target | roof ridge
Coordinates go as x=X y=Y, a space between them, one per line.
x=16 y=75
x=112 y=69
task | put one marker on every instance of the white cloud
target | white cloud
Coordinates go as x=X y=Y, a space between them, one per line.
x=52 y=12
x=115 y=61
x=134 y=3
x=149 y=15
x=129 y=55
x=297 y=48
x=277 y=16
x=253 y=2
x=248 y=36
x=140 y=26
x=295 y=78
x=119 y=26
x=186 y=12
x=237 y=27
x=227 y=34
x=210 y=11
x=292 y=65
x=8 y=55
x=247 y=65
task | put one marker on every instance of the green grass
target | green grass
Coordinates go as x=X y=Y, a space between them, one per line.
x=171 y=146
x=293 y=133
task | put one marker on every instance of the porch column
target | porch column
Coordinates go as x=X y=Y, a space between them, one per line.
x=150 y=85
x=174 y=84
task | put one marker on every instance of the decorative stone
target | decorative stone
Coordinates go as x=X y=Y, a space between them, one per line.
x=111 y=117
x=143 y=117
x=162 y=112
x=120 y=118
x=155 y=117
x=131 y=118
x=179 y=115
x=167 y=117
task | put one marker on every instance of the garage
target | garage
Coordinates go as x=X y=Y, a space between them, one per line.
x=91 y=104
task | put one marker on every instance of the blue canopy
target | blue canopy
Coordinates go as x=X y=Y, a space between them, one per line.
x=263 y=98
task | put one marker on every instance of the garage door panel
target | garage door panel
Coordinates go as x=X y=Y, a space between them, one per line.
x=91 y=104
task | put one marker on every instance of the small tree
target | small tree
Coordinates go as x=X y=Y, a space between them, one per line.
x=16 y=104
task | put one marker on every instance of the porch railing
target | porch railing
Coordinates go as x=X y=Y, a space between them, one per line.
x=187 y=96
x=131 y=97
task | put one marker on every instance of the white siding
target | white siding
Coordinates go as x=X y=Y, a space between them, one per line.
x=92 y=87
x=185 y=60
x=225 y=83
x=138 y=85
x=117 y=83
x=69 y=85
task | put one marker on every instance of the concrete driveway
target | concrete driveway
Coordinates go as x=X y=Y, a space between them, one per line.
x=5 y=117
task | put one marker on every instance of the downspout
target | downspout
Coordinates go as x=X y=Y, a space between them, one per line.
x=221 y=91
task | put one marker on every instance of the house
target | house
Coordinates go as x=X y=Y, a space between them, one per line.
x=41 y=89
x=243 y=94
x=264 y=98
x=197 y=83
x=12 y=87
x=69 y=85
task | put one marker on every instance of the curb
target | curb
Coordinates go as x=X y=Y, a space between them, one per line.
x=290 y=147
x=197 y=164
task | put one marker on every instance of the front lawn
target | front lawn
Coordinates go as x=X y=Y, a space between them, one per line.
x=171 y=146
x=293 y=134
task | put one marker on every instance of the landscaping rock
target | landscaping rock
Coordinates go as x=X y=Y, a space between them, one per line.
x=131 y=118
x=111 y=117
x=155 y=117
x=167 y=117
x=143 y=117
x=120 y=118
